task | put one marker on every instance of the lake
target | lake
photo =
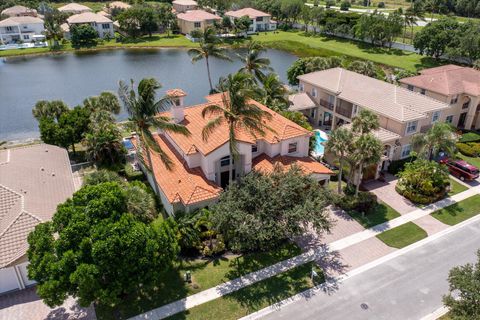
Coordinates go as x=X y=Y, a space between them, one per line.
x=72 y=77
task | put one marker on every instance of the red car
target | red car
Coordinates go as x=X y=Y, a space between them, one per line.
x=461 y=169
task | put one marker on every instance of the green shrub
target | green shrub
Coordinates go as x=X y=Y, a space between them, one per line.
x=466 y=150
x=475 y=147
x=470 y=137
x=329 y=3
x=365 y=201
x=131 y=174
x=398 y=165
x=345 y=6
x=381 y=4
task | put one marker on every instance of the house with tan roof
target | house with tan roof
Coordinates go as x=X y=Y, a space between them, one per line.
x=196 y=20
x=74 y=8
x=201 y=167
x=184 y=5
x=21 y=29
x=19 y=11
x=33 y=181
x=260 y=21
x=102 y=24
x=457 y=86
x=116 y=5
x=338 y=95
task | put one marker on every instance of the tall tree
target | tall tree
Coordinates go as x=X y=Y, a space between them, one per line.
x=434 y=39
x=209 y=47
x=143 y=109
x=440 y=137
x=49 y=109
x=253 y=62
x=106 y=101
x=53 y=31
x=237 y=112
x=274 y=93
x=83 y=36
x=340 y=143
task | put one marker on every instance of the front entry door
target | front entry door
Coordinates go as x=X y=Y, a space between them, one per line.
x=461 y=120
x=224 y=177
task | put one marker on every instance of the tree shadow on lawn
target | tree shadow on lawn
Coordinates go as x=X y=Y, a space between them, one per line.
x=452 y=210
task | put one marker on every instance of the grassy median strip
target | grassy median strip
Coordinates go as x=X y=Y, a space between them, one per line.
x=456 y=187
x=205 y=274
x=403 y=235
x=380 y=214
x=459 y=211
x=256 y=296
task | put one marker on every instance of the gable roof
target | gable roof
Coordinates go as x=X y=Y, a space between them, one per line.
x=379 y=96
x=33 y=181
x=74 y=7
x=197 y=16
x=16 y=21
x=283 y=129
x=447 y=80
x=88 y=17
x=250 y=12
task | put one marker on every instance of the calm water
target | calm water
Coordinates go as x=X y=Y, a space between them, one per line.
x=73 y=77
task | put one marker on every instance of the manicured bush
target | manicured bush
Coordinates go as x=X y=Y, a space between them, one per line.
x=364 y=202
x=381 y=4
x=470 y=137
x=398 y=165
x=131 y=174
x=345 y=5
x=475 y=147
x=466 y=150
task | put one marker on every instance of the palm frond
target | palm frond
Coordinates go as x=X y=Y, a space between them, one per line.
x=210 y=127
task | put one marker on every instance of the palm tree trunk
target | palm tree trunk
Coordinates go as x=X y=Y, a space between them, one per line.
x=360 y=175
x=230 y=170
x=209 y=75
x=340 y=173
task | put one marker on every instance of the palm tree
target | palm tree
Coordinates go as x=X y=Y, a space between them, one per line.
x=440 y=137
x=476 y=64
x=252 y=61
x=208 y=48
x=106 y=101
x=367 y=68
x=340 y=144
x=53 y=30
x=368 y=150
x=274 y=92
x=49 y=109
x=409 y=20
x=143 y=108
x=237 y=112
x=365 y=122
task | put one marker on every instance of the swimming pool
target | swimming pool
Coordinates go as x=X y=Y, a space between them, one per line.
x=320 y=137
x=128 y=144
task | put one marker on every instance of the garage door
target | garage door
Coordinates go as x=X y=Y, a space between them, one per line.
x=8 y=280
x=24 y=274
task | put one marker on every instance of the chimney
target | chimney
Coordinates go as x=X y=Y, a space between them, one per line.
x=177 y=96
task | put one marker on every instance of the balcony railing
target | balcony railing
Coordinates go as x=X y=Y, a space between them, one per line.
x=346 y=112
x=326 y=104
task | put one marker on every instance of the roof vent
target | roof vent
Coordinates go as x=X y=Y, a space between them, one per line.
x=42 y=169
x=53 y=174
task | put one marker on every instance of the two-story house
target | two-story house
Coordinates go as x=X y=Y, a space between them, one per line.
x=102 y=24
x=196 y=20
x=332 y=97
x=455 y=85
x=260 y=21
x=184 y=5
x=21 y=29
x=200 y=168
x=74 y=8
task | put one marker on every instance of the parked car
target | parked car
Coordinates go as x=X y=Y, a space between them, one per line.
x=461 y=169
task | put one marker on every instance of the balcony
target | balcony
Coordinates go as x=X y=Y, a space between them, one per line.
x=346 y=112
x=326 y=104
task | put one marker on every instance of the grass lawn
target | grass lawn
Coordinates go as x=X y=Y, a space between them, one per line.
x=403 y=235
x=456 y=187
x=254 y=297
x=380 y=214
x=303 y=45
x=472 y=160
x=205 y=274
x=459 y=211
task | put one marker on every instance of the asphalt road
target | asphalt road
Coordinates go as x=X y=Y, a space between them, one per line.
x=407 y=287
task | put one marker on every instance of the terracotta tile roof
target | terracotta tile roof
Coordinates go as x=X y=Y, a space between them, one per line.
x=33 y=181
x=250 y=12
x=181 y=183
x=283 y=129
x=197 y=16
x=379 y=96
x=88 y=17
x=447 y=80
x=175 y=93
x=265 y=164
x=74 y=7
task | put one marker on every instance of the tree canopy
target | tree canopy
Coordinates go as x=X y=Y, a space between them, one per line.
x=83 y=36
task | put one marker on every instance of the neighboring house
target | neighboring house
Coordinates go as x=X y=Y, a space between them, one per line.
x=116 y=5
x=181 y=6
x=21 y=29
x=74 y=8
x=338 y=95
x=19 y=11
x=455 y=85
x=102 y=24
x=33 y=181
x=260 y=21
x=195 y=19
x=201 y=167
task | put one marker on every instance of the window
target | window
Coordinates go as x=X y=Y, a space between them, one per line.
x=412 y=127
x=423 y=91
x=449 y=119
x=314 y=92
x=466 y=105
x=105 y=26
x=410 y=87
x=26 y=37
x=225 y=161
x=435 y=116
x=454 y=99
x=259 y=19
x=9 y=28
x=300 y=86
x=355 y=110
x=406 y=151
x=197 y=25
x=292 y=147
x=254 y=148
